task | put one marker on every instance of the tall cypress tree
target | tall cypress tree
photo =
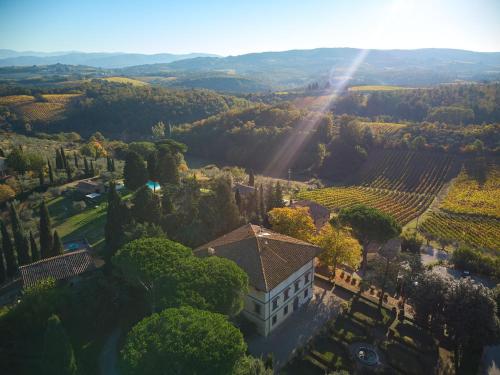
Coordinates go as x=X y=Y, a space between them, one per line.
x=69 y=174
x=168 y=170
x=251 y=178
x=115 y=220
x=3 y=272
x=86 y=168
x=59 y=163
x=278 y=196
x=92 y=170
x=75 y=156
x=262 y=202
x=35 y=253
x=135 y=174
x=20 y=240
x=41 y=177
x=237 y=198
x=113 y=165
x=63 y=159
x=57 y=248
x=152 y=163
x=8 y=251
x=58 y=356
x=51 y=172
x=46 y=239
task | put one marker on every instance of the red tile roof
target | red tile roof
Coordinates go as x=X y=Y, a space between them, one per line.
x=266 y=256
x=59 y=267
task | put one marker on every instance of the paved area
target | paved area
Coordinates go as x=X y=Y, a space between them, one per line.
x=457 y=274
x=298 y=328
x=430 y=254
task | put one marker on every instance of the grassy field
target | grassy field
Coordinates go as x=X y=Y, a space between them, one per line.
x=377 y=88
x=131 y=81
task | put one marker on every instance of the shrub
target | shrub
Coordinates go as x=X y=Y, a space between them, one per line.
x=6 y=193
x=55 y=191
x=80 y=205
x=466 y=258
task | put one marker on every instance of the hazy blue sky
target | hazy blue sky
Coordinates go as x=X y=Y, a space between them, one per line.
x=240 y=26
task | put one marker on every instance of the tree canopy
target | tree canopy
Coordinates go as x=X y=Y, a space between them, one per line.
x=182 y=341
x=294 y=222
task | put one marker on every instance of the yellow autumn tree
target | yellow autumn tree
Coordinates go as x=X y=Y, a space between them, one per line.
x=338 y=248
x=294 y=222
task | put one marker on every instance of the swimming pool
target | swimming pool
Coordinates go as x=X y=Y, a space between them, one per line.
x=153 y=185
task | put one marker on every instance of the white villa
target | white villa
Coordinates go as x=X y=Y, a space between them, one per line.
x=280 y=271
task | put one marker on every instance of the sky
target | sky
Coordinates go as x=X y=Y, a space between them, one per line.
x=233 y=27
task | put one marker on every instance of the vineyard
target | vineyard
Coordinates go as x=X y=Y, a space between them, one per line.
x=133 y=82
x=383 y=128
x=408 y=171
x=480 y=232
x=401 y=183
x=476 y=195
x=402 y=205
x=52 y=107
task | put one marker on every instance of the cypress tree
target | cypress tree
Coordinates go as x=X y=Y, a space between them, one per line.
x=92 y=170
x=46 y=239
x=75 y=156
x=113 y=165
x=58 y=356
x=64 y=162
x=146 y=206
x=57 y=248
x=251 y=178
x=167 y=206
x=20 y=240
x=237 y=198
x=59 y=163
x=41 y=177
x=278 y=196
x=86 y=168
x=8 y=251
x=152 y=163
x=35 y=253
x=135 y=174
x=168 y=170
x=116 y=219
x=262 y=203
x=51 y=172
x=3 y=272
x=68 y=172
x=2 y=153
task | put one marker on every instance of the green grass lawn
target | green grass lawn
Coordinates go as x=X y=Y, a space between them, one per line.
x=73 y=224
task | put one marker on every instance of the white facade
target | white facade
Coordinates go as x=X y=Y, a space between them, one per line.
x=269 y=309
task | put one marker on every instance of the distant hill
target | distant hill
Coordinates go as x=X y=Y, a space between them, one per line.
x=97 y=60
x=378 y=67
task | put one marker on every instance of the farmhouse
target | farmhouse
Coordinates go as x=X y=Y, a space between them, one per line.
x=320 y=214
x=66 y=267
x=90 y=186
x=244 y=190
x=280 y=271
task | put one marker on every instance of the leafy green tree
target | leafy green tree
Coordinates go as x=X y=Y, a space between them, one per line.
x=8 y=252
x=168 y=169
x=146 y=206
x=134 y=172
x=248 y=365
x=57 y=247
x=18 y=161
x=170 y=275
x=369 y=224
x=58 y=356
x=135 y=231
x=149 y=264
x=35 y=253
x=227 y=212
x=184 y=341
x=20 y=240
x=470 y=316
x=46 y=237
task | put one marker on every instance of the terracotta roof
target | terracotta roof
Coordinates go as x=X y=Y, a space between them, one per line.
x=59 y=267
x=244 y=189
x=316 y=210
x=266 y=256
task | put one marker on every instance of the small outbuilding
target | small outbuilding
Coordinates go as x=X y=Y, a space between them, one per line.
x=90 y=186
x=320 y=214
